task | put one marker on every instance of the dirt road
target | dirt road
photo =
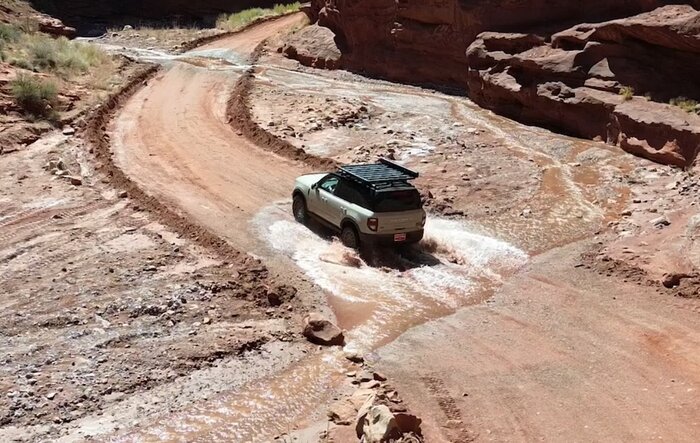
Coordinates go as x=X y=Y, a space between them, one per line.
x=174 y=139
x=551 y=351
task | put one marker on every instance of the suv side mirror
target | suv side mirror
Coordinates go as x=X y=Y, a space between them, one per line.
x=314 y=186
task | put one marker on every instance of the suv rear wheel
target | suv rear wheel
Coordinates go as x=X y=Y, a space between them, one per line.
x=349 y=237
x=299 y=209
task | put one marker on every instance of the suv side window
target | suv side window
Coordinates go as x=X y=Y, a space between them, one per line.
x=348 y=191
x=330 y=183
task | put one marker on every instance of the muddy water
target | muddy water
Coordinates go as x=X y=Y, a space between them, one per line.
x=379 y=302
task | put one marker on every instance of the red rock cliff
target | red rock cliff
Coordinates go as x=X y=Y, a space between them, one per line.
x=424 y=41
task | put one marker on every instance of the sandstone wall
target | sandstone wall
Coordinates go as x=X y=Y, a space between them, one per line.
x=614 y=81
x=423 y=41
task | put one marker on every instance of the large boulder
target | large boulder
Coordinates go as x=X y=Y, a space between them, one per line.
x=423 y=41
x=611 y=81
x=319 y=330
x=313 y=46
x=54 y=26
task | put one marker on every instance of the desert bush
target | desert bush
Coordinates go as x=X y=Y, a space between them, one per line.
x=8 y=33
x=35 y=96
x=43 y=53
x=240 y=19
x=627 y=92
x=686 y=104
x=284 y=9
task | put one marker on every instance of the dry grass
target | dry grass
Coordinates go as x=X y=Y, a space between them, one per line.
x=240 y=19
x=65 y=65
x=40 y=53
x=627 y=92
x=686 y=104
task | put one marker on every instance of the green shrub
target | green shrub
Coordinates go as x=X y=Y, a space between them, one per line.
x=43 y=53
x=686 y=104
x=284 y=9
x=8 y=33
x=35 y=96
x=627 y=92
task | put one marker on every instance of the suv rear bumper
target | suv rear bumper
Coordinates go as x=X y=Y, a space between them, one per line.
x=388 y=239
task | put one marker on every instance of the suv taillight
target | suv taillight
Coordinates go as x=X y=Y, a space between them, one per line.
x=373 y=224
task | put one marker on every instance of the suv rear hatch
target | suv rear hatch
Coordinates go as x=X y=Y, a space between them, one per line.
x=406 y=221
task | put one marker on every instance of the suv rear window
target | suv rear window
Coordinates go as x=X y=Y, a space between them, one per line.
x=397 y=201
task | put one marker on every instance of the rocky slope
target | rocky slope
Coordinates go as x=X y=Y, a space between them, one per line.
x=22 y=12
x=611 y=81
x=423 y=41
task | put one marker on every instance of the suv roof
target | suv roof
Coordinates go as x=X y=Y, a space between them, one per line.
x=383 y=176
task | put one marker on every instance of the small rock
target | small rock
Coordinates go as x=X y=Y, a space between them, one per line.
x=379 y=376
x=360 y=397
x=68 y=130
x=341 y=413
x=128 y=28
x=660 y=222
x=75 y=181
x=319 y=330
x=373 y=384
x=354 y=356
x=123 y=194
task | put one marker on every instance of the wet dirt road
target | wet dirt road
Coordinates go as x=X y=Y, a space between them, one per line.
x=536 y=360
x=173 y=139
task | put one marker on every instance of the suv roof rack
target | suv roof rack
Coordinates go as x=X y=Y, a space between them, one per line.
x=379 y=175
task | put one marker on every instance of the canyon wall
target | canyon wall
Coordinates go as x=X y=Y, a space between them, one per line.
x=633 y=82
x=424 y=41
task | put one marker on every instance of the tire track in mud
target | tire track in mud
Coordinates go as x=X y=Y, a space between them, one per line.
x=26 y=222
x=454 y=426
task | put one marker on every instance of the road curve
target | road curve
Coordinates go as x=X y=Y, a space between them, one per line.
x=173 y=139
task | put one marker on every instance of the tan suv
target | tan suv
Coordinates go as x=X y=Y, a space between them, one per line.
x=366 y=204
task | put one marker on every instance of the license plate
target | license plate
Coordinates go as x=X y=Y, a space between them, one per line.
x=400 y=237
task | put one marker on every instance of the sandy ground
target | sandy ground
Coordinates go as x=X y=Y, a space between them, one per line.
x=525 y=319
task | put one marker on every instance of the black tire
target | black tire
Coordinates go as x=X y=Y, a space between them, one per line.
x=299 y=209
x=349 y=237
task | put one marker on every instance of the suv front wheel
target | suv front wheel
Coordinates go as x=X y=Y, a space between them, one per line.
x=299 y=209
x=349 y=237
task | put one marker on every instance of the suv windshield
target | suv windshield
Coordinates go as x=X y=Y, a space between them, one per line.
x=397 y=201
